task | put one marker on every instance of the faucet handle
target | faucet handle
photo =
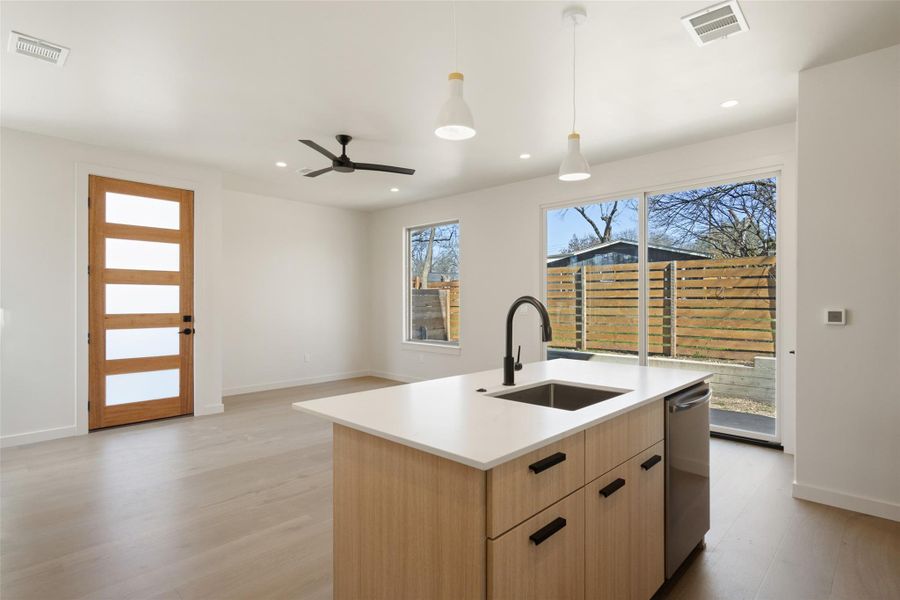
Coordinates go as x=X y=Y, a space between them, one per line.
x=518 y=365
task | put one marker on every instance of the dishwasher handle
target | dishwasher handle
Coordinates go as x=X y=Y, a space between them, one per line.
x=690 y=401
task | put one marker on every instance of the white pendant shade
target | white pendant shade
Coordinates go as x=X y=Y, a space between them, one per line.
x=455 y=120
x=574 y=167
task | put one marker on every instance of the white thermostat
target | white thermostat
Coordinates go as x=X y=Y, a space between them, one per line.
x=836 y=317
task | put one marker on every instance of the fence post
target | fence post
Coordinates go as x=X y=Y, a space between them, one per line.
x=581 y=311
x=673 y=308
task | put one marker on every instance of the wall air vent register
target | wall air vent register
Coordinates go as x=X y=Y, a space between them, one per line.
x=715 y=22
x=26 y=45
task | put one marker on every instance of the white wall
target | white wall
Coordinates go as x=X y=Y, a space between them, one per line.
x=296 y=276
x=43 y=286
x=501 y=251
x=848 y=378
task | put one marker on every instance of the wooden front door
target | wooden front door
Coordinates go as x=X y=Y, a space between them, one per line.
x=141 y=302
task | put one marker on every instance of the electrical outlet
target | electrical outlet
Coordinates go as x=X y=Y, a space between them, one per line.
x=307 y=357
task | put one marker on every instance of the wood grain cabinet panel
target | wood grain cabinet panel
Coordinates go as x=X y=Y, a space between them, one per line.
x=647 y=521
x=522 y=487
x=407 y=524
x=610 y=444
x=607 y=536
x=526 y=563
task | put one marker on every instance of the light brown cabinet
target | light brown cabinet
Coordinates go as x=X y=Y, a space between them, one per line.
x=541 y=558
x=607 y=536
x=581 y=518
x=647 y=520
x=625 y=528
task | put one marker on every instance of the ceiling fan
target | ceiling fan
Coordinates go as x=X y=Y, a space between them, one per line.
x=342 y=164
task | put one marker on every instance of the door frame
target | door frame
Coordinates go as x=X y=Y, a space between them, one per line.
x=782 y=320
x=206 y=374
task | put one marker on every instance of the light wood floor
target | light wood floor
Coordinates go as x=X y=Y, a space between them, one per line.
x=238 y=505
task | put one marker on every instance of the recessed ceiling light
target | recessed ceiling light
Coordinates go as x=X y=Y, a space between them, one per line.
x=395 y=189
x=729 y=104
x=524 y=156
x=281 y=164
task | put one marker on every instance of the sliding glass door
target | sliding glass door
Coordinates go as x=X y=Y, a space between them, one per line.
x=709 y=295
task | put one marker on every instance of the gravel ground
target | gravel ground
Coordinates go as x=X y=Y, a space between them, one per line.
x=743 y=405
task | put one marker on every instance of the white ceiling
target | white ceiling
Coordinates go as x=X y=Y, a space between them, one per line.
x=233 y=85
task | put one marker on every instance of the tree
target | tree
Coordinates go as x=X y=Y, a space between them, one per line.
x=727 y=221
x=434 y=249
x=606 y=213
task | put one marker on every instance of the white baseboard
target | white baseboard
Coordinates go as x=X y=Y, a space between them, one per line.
x=394 y=376
x=860 y=504
x=43 y=435
x=277 y=385
x=208 y=409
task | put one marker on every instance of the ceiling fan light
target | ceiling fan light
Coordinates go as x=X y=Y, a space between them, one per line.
x=574 y=167
x=455 y=120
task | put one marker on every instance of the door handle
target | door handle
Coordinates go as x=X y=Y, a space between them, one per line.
x=612 y=488
x=650 y=462
x=546 y=463
x=543 y=534
x=680 y=406
x=186 y=331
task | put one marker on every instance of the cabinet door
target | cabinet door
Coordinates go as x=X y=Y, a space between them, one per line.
x=543 y=558
x=648 y=521
x=607 y=505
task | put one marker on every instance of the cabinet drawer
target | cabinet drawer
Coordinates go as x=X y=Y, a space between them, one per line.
x=522 y=487
x=611 y=443
x=541 y=558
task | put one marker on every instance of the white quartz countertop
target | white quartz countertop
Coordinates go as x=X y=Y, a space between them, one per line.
x=447 y=417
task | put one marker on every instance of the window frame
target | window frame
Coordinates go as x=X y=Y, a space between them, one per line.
x=643 y=194
x=436 y=346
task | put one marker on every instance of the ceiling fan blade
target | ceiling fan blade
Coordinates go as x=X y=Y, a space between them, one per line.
x=385 y=168
x=318 y=149
x=319 y=172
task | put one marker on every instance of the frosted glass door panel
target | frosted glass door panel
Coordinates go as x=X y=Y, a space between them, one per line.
x=145 y=212
x=137 y=343
x=140 y=255
x=127 y=298
x=138 y=387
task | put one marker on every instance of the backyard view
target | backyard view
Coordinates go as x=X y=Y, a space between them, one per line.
x=710 y=294
x=433 y=301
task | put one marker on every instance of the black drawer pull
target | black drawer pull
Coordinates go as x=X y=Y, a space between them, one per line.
x=544 y=533
x=648 y=464
x=612 y=488
x=546 y=463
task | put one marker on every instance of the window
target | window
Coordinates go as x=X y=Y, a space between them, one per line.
x=432 y=285
x=698 y=294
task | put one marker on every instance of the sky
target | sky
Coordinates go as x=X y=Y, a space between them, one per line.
x=562 y=223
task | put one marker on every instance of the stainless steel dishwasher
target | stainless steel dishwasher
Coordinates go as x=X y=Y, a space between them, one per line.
x=687 y=473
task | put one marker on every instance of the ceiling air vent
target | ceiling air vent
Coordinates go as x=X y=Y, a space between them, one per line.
x=715 y=22
x=37 y=48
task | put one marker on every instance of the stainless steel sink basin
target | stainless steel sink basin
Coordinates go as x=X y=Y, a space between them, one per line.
x=561 y=396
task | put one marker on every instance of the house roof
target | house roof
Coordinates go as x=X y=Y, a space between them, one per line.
x=611 y=243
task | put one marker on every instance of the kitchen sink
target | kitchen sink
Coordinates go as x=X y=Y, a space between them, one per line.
x=561 y=396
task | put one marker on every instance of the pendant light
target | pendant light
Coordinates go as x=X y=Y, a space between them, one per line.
x=455 y=120
x=574 y=167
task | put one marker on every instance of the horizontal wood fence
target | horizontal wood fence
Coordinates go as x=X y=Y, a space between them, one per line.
x=436 y=309
x=718 y=308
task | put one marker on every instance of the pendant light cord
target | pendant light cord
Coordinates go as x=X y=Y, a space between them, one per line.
x=574 y=109
x=455 y=37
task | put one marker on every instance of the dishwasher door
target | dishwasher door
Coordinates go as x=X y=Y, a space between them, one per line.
x=687 y=473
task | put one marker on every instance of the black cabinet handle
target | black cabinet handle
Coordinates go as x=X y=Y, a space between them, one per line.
x=546 y=463
x=612 y=488
x=544 y=533
x=648 y=464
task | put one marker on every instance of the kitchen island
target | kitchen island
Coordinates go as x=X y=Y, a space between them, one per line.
x=444 y=490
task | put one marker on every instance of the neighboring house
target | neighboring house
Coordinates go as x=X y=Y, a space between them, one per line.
x=620 y=251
